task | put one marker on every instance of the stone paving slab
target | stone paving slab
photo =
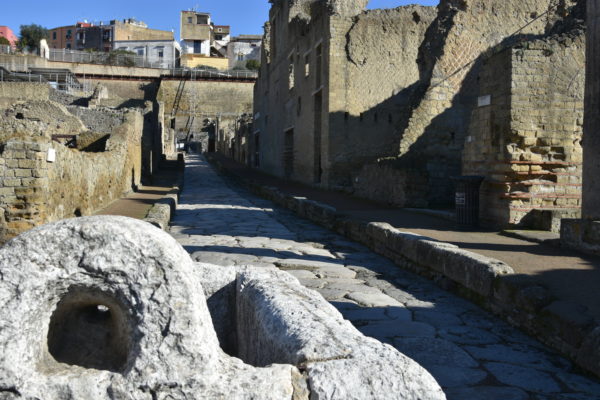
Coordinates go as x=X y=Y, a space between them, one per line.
x=473 y=354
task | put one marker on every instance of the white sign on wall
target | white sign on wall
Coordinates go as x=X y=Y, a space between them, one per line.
x=51 y=157
x=483 y=101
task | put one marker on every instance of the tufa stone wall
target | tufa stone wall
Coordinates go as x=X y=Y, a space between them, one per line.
x=322 y=108
x=219 y=102
x=373 y=74
x=431 y=138
x=24 y=91
x=42 y=180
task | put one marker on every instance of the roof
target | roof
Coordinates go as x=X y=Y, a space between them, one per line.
x=242 y=38
x=195 y=12
x=62 y=27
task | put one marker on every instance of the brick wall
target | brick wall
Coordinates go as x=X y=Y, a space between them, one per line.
x=527 y=143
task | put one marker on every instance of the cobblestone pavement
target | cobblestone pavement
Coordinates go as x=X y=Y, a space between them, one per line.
x=472 y=354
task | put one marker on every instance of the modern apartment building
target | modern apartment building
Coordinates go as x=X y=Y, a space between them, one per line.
x=203 y=43
x=102 y=37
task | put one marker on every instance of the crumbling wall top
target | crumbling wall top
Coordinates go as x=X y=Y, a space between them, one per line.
x=301 y=9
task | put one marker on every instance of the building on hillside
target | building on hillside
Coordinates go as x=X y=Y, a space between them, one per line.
x=159 y=53
x=8 y=33
x=199 y=44
x=243 y=48
x=102 y=37
x=222 y=35
x=64 y=37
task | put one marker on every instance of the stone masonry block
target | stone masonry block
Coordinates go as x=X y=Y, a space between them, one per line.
x=29 y=164
x=23 y=173
x=11 y=182
x=7 y=191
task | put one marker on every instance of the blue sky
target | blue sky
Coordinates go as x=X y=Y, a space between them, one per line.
x=244 y=16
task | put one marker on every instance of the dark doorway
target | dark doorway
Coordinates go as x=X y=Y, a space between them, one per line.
x=288 y=154
x=318 y=112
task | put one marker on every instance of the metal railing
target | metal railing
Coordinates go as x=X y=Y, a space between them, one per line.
x=194 y=74
x=104 y=58
x=66 y=83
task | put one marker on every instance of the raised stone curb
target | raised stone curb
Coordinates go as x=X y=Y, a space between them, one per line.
x=489 y=282
x=161 y=212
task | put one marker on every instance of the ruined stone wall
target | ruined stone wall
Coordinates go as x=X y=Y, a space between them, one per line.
x=320 y=120
x=103 y=120
x=129 y=89
x=24 y=91
x=373 y=73
x=431 y=139
x=36 y=188
x=35 y=191
x=79 y=183
x=286 y=92
x=527 y=142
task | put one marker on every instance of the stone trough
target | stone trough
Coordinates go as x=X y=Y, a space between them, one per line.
x=114 y=308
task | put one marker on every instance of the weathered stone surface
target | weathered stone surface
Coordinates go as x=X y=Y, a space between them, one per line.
x=589 y=353
x=374 y=299
x=319 y=268
x=467 y=335
x=524 y=378
x=108 y=308
x=428 y=351
x=449 y=377
x=487 y=393
x=531 y=358
x=342 y=365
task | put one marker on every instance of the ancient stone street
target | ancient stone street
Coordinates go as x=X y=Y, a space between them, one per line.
x=472 y=354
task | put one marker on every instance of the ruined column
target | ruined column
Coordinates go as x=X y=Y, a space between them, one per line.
x=591 y=135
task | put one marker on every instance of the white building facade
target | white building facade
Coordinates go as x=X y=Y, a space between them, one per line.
x=243 y=48
x=158 y=53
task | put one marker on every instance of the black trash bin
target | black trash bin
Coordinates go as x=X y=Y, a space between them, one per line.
x=467 y=200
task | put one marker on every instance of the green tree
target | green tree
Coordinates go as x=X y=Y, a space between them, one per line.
x=4 y=41
x=31 y=35
x=120 y=57
x=253 y=65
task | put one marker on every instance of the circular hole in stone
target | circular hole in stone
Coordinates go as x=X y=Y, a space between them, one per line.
x=91 y=329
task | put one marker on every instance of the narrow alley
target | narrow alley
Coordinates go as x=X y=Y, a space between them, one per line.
x=471 y=353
